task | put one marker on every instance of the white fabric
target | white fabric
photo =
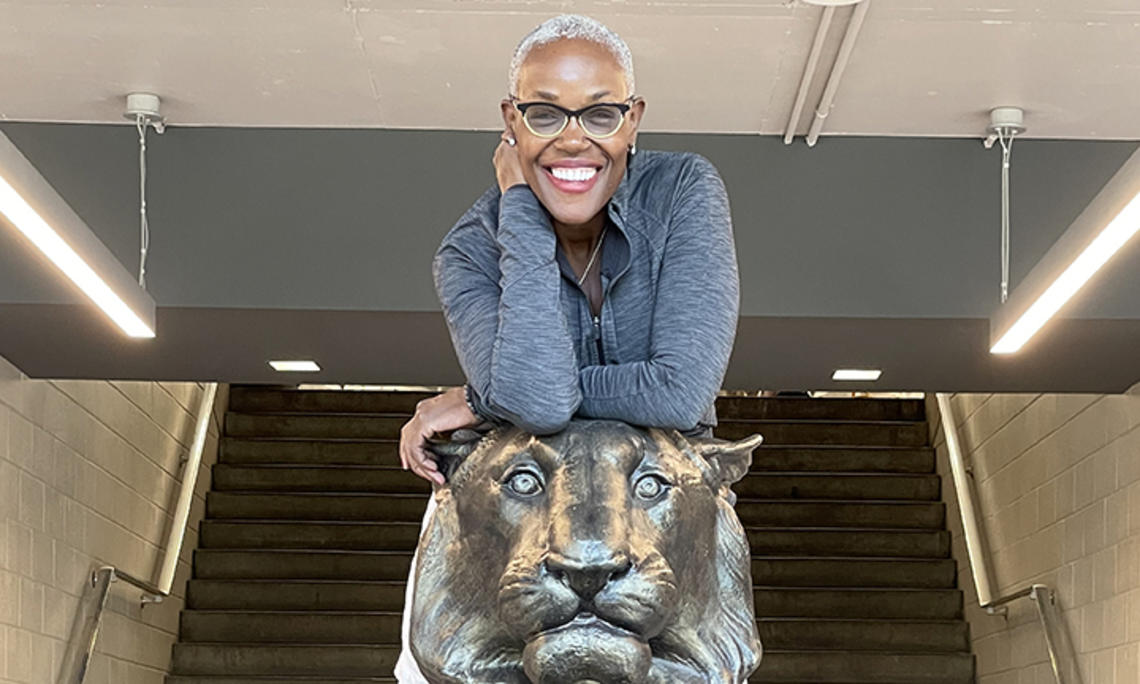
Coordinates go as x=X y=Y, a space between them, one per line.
x=407 y=671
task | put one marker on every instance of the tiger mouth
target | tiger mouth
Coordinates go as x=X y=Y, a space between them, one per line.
x=585 y=620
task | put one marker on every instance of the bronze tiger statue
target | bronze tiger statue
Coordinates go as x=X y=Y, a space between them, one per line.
x=604 y=553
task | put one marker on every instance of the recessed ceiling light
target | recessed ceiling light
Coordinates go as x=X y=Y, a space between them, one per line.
x=295 y=365
x=866 y=375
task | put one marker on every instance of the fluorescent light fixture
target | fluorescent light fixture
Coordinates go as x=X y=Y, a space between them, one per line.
x=307 y=366
x=35 y=209
x=866 y=375
x=1106 y=225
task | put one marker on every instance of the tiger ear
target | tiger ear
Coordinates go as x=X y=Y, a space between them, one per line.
x=732 y=459
x=449 y=454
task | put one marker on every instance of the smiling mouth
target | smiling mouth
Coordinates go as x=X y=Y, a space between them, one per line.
x=578 y=180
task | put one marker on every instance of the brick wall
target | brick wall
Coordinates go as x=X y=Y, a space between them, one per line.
x=1058 y=490
x=89 y=475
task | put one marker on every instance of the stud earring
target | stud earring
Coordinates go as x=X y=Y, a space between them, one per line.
x=633 y=148
x=511 y=142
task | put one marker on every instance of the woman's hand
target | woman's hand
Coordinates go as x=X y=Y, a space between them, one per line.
x=441 y=413
x=508 y=169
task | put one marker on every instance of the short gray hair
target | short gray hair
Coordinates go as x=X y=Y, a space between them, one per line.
x=571 y=26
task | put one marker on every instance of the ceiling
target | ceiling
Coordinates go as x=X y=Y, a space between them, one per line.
x=920 y=67
x=273 y=236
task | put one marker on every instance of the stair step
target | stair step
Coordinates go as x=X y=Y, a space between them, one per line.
x=294 y=595
x=394 y=480
x=818 y=432
x=390 y=565
x=316 y=506
x=878 y=573
x=315 y=426
x=800 y=408
x=410 y=508
x=945 y=604
x=797 y=512
x=327 y=595
x=274 y=564
x=283 y=478
x=840 y=459
x=854 y=667
x=290 y=400
x=864 y=635
x=291 y=627
x=255 y=679
x=261 y=534
x=848 y=542
x=323 y=661
x=768 y=458
x=251 y=399
x=343 y=627
x=839 y=486
x=387 y=426
x=307 y=451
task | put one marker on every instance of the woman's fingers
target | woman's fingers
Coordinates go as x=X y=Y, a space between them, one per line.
x=425 y=467
x=413 y=456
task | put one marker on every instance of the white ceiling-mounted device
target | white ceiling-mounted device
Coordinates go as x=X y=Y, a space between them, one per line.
x=147 y=107
x=1005 y=122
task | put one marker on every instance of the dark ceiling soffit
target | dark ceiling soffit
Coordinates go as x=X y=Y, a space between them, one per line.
x=234 y=345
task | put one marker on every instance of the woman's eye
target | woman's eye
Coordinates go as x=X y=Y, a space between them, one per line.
x=524 y=483
x=649 y=487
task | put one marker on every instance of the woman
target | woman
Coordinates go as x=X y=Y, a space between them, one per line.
x=591 y=280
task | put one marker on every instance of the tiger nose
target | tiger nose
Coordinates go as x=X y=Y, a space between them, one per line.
x=585 y=575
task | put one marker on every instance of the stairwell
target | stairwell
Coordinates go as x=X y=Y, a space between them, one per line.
x=311 y=523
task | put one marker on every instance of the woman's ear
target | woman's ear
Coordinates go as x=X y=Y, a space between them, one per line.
x=508 y=111
x=637 y=110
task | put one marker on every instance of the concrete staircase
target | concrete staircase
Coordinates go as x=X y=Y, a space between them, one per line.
x=311 y=523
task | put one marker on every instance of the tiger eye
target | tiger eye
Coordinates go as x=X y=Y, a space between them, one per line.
x=648 y=487
x=524 y=484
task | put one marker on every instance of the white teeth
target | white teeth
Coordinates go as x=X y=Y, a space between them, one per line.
x=573 y=174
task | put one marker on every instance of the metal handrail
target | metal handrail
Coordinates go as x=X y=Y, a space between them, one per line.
x=85 y=629
x=1062 y=657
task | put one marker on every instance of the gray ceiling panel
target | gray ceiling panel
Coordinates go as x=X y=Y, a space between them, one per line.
x=317 y=243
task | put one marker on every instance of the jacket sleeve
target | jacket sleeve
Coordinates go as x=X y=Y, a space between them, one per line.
x=510 y=334
x=694 y=318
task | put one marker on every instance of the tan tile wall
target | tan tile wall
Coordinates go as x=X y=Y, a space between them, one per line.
x=1058 y=492
x=89 y=474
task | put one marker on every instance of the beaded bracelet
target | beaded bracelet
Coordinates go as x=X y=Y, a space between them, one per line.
x=467 y=400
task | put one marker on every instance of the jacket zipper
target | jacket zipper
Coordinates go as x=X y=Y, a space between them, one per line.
x=598 y=340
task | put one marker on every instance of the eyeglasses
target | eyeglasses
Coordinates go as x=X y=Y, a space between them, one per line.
x=547 y=120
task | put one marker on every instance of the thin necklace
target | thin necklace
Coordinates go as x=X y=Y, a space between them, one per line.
x=593 y=256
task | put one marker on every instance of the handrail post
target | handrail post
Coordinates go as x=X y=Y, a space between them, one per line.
x=1057 y=640
x=85 y=629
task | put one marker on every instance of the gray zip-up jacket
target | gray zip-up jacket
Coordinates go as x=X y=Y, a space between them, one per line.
x=533 y=352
